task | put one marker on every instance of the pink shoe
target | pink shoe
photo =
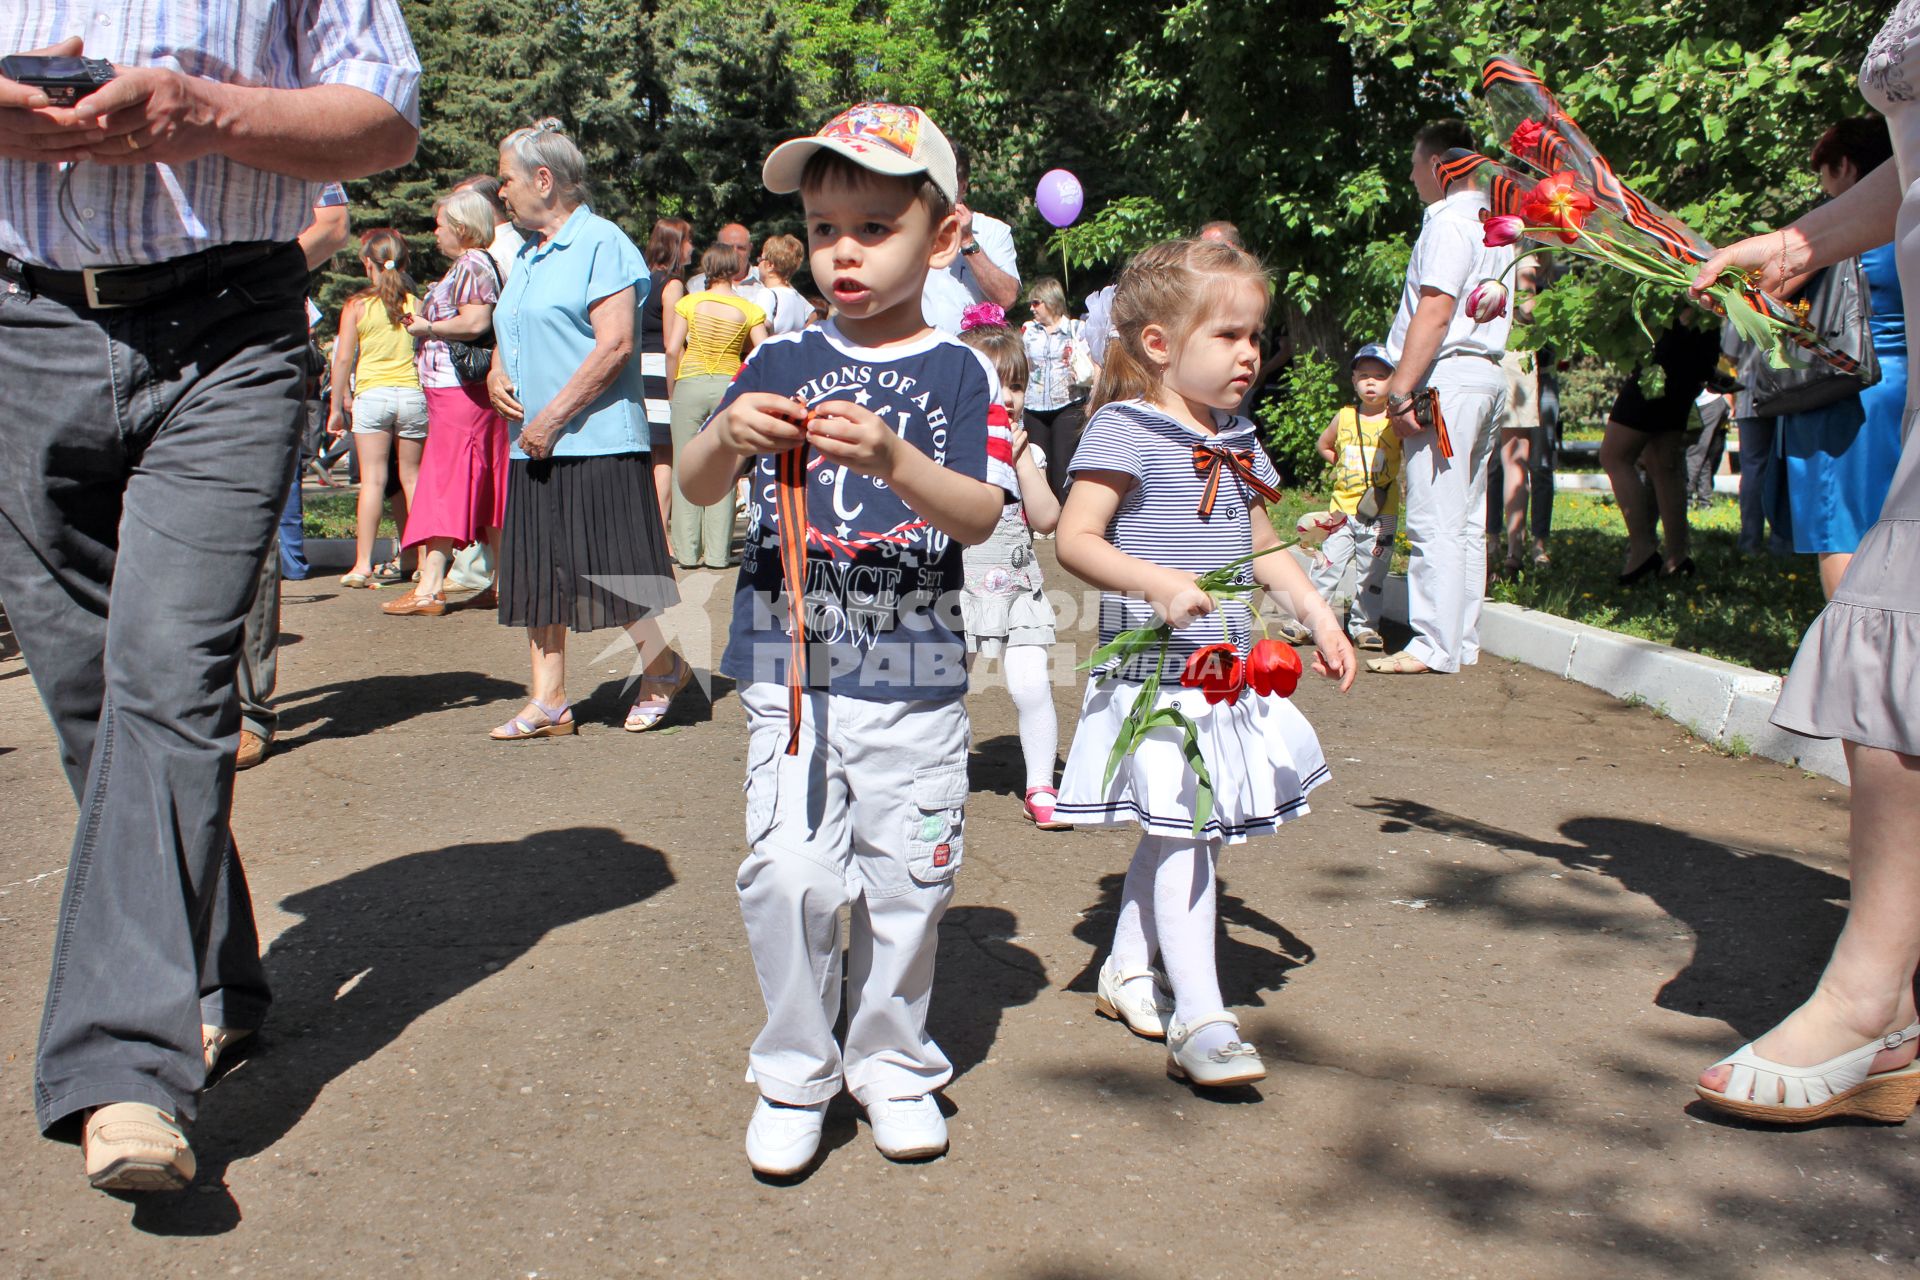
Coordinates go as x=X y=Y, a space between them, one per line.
x=1039 y=807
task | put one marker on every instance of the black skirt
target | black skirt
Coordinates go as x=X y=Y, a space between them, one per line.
x=582 y=545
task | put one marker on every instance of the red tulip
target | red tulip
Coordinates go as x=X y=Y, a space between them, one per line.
x=1273 y=667
x=1217 y=671
x=1488 y=301
x=1558 y=202
x=1525 y=138
x=1502 y=229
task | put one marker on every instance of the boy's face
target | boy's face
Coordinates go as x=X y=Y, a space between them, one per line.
x=871 y=244
x=1216 y=362
x=1370 y=380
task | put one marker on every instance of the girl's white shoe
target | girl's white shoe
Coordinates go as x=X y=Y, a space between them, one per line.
x=1842 y=1086
x=1143 y=1007
x=1235 y=1062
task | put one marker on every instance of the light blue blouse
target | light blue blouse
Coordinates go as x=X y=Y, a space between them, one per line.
x=545 y=334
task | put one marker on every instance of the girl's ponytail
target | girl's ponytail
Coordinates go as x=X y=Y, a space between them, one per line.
x=1174 y=284
x=386 y=249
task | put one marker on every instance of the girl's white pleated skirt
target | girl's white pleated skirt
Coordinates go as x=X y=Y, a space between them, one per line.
x=1262 y=754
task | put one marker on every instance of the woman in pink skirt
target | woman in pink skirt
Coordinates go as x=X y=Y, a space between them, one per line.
x=461 y=495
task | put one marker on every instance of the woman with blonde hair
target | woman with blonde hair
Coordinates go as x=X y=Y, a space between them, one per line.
x=1056 y=398
x=377 y=389
x=708 y=334
x=460 y=497
x=780 y=259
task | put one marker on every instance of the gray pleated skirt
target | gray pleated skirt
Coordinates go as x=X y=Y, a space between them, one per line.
x=1857 y=674
x=582 y=545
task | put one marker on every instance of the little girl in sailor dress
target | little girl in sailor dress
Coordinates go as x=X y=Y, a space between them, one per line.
x=1167 y=486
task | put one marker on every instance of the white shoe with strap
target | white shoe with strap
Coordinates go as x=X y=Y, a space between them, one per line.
x=1235 y=1062
x=1841 y=1086
x=1143 y=1007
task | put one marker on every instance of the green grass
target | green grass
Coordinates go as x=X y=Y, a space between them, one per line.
x=330 y=515
x=1749 y=610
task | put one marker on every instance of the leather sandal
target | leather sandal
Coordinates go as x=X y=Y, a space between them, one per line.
x=1398 y=664
x=554 y=722
x=415 y=605
x=1038 y=804
x=656 y=696
x=1840 y=1086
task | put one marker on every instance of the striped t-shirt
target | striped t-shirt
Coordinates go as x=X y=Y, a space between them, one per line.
x=1159 y=518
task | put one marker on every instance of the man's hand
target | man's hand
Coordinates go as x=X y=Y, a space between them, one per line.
x=1404 y=424
x=855 y=437
x=148 y=115
x=965 y=215
x=761 y=422
x=30 y=129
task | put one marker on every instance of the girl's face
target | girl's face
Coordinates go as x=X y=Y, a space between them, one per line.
x=1215 y=363
x=1014 y=400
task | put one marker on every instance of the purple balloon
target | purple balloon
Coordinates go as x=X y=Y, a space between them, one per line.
x=1060 y=197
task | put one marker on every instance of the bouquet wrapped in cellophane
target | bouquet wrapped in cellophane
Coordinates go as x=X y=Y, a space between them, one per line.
x=1569 y=198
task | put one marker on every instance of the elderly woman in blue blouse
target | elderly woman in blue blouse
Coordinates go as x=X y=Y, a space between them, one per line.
x=581 y=547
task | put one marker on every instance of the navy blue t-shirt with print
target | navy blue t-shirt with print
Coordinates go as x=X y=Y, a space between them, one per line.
x=883 y=586
x=1160 y=520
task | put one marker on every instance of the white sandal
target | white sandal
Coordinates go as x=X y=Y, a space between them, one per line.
x=1842 y=1086
x=1143 y=1008
x=1237 y=1062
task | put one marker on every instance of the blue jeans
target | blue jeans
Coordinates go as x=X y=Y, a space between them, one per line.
x=147 y=456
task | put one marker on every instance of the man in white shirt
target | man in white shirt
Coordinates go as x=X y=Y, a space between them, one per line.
x=739 y=238
x=1435 y=343
x=506 y=237
x=986 y=269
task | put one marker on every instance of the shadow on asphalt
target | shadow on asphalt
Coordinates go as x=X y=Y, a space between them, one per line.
x=997 y=767
x=354 y=708
x=1763 y=923
x=1247 y=971
x=980 y=974
x=374 y=951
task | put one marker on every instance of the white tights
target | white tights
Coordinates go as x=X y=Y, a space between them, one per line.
x=1168 y=905
x=1025 y=666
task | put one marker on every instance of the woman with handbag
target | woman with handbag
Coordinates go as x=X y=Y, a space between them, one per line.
x=1056 y=347
x=461 y=495
x=1841 y=456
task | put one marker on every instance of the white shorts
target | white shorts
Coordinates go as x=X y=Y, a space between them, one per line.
x=400 y=411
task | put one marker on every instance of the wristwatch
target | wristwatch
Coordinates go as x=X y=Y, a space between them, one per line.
x=1398 y=401
x=968 y=250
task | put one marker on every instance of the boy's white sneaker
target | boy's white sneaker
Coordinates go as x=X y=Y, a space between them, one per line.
x=908 y=1128
x=782 y=1140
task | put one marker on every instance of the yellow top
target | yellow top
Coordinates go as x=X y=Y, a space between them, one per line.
x=386 y=349
x=1366 y=455
x=715 y=346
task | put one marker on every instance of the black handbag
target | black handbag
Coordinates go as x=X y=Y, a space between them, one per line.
x=1839 y=308
x=472 y=361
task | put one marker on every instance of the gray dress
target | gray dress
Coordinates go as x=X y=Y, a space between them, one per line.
x=1857 y=675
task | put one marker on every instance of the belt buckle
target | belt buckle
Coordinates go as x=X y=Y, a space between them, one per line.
x=90 y=283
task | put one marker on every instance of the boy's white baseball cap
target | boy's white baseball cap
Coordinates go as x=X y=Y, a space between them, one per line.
x=882 y=136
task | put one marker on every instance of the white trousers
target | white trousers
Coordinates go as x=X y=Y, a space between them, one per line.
x=869 y=815
x=1444 y=505
x=1369 y=549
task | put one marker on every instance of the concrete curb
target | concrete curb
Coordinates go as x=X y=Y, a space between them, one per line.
x=1715 y=701
x=1597 y=482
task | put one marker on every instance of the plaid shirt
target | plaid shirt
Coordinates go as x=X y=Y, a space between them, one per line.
x=149 y=213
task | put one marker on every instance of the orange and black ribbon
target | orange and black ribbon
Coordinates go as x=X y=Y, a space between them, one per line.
x=790 y=509
x=1210 y=462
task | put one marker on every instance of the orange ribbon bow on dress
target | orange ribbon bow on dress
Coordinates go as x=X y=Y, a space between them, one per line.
x=1211 y=460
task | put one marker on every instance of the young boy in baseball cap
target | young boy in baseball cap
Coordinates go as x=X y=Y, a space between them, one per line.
x=1365 y=454
x=872 y=462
